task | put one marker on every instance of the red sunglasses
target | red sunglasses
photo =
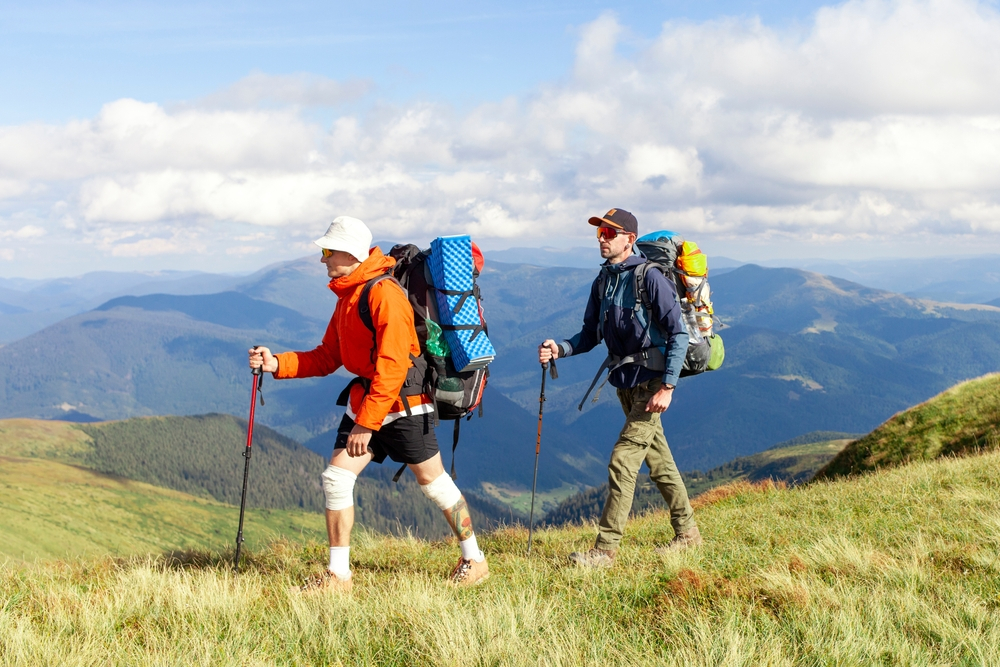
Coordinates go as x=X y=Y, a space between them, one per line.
x=609 y=233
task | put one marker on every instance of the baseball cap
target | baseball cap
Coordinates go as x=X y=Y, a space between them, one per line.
x=618 y=218
x=347 y=234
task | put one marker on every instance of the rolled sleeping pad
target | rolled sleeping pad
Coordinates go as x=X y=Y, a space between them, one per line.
x=451 y=267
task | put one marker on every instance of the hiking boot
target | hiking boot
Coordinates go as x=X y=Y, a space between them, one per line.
x=689 y=538
x=326 y=581
x=593 y=558
x=469 y=572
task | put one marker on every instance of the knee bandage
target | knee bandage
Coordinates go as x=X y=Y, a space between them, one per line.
x=338 y=485
x=442 y=491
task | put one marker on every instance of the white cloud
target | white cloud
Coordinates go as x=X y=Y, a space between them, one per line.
x=878 y=120
x=24 y=232
x=303 y=89
x=12 y=188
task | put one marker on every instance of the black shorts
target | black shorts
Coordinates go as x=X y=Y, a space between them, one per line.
x=405 y=440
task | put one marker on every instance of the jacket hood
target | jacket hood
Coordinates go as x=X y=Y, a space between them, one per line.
x=632 y=261
x=374 y=265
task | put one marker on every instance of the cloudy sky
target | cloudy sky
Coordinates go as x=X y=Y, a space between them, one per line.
x=225 y=136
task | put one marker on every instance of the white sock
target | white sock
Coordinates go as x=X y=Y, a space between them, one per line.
x=340 y=562
x=470 y=550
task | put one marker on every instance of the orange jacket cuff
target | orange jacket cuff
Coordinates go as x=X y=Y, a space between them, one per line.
x=288 y=365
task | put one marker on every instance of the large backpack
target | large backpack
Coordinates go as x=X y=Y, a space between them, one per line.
x=686 y=266
x=456 y=394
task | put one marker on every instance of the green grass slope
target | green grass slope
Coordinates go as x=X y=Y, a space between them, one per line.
x=202 y=456
x=895 y=568
x=963 y=419
x=787 y=463
x=55 y=510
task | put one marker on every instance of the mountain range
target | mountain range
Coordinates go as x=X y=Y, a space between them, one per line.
x=805 y=352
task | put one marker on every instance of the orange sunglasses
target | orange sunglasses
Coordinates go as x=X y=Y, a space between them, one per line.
x=609 y=233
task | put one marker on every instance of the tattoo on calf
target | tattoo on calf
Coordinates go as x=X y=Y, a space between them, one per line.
x=460 y=520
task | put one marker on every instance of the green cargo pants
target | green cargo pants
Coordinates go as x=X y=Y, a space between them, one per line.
x=641 y=440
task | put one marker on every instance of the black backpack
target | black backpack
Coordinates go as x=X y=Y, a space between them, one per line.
x=456 y=395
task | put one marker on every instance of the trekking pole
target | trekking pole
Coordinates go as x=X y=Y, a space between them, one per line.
x=258 y=384
x=538 y=448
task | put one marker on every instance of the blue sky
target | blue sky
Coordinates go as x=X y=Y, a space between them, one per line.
x=64 y=60
x=223 y=136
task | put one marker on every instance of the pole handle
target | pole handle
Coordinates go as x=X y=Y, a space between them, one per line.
x=259 y=372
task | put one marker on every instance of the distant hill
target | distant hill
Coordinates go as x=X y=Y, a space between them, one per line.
x=164 y=354
x=964 y=279
x=963 y=419
x=229 y=309
x=202 y=455
x=788 y=463
x=45 y=302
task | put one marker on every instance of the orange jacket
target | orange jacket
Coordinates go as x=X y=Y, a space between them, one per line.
x=349 y=343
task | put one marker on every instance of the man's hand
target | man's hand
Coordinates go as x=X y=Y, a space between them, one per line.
x=548 y=351
x=261 y=357
x=660 y=400
x=357 y=441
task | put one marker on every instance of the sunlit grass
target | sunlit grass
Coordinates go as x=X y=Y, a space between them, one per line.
x=959 y=420
x=898 y=567
x=50 y=509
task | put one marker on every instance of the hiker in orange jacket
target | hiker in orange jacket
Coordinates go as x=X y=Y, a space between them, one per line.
x=387 y=413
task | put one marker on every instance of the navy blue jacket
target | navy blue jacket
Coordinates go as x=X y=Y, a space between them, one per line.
x=625 y=328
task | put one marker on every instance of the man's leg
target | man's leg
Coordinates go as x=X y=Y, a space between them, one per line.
x=339 y=491
x=626 y=459
x=338 y=486
x=440 y=488
x=664 y=473
x=445 y=494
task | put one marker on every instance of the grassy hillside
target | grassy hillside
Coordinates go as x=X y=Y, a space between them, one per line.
x=42 y=439
x=963 y=419
x=894 y=568
x=55 y=510
x=202 y=456
x=786 y=463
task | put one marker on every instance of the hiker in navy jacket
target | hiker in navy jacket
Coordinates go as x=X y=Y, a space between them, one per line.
x=646 y=350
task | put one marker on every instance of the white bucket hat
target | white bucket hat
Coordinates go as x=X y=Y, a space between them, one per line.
x=347 y=234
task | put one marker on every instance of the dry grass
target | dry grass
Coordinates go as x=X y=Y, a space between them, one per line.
x=740 y=488
x=896 y=568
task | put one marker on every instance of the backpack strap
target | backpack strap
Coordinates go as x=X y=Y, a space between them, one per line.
x=364 y=306
x=365 y=312
x=454 y=444
x=641 y=293
x=602 y=284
